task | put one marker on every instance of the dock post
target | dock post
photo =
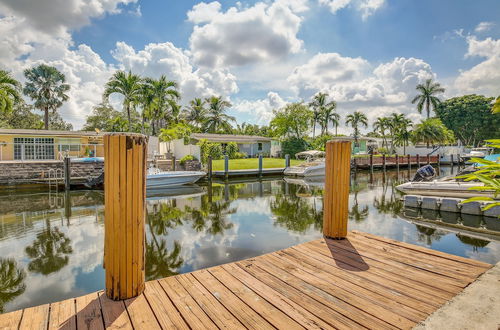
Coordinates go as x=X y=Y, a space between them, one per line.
x=67 y=173
x=409 y=164
x=287 y=161
x=439 y=163
x=418 y=161
x=336 y=197
x=451 y=160
x=458 y=160
x=383 y=162
x=371 y=163
x=124 y=197
x=209 y=168
x=260 y=166
x=428 y=159
x=397 y=162
x=226 y=167
x=173 y=163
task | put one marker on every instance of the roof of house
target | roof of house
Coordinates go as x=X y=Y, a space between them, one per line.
x=361 y=138
x=230 y=138
x=8 y=131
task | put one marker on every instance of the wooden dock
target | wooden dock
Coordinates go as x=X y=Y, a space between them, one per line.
x=364 y=281
x=249 y=172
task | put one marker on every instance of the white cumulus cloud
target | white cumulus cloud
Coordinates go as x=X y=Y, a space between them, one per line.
x=261 y=109
x=365 y=7
x=484 y=26
x=239 y=36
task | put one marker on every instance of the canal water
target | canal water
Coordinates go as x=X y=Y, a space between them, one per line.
x=51 y=244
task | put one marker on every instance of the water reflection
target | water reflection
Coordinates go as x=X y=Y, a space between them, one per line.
x=52 y=243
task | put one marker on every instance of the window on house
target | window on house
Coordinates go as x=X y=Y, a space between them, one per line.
x=33 y=148
x=259 y=146
x=69 y=145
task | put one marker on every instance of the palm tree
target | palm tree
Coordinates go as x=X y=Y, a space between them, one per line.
x=427 y=97
x=432 y=131
x=402 y=135
x=195 y=114
x=323 y=112
x=381 y=125
x=355 y=120
x=46 y=85
x=9 y=92
x=217 y=120
x=160 y=95
x=129 y=86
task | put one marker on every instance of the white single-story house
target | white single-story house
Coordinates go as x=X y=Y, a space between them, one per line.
x=249 y=144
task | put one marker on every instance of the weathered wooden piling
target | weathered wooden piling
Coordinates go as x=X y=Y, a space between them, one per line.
x=287 y=161
x=124 y=191
x=226 y=167
x=209 y=167
x=383 y=162
x=173 y=163
x=260 y=166
x=336 y=197
x=397 y=162
x=371 y=163
x=418 y=161
x=428 y=159
x=67 y=173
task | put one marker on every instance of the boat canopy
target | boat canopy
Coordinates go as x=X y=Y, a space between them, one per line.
x=310 y=154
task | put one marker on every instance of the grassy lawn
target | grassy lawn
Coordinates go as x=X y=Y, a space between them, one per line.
x=252 y=163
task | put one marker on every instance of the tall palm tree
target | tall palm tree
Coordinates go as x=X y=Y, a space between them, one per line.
x=46 y=85
x=427 y=97
x=163 y=95
x=323 y=112
x=403 y=134
x=217 y=119
x=381 y=125
x=355 y=120
x=129 y=86
x=431 y=131
x=9 y=92
x=195 y=114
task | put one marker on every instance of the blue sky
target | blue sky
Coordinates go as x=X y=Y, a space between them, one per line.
x=367 y=54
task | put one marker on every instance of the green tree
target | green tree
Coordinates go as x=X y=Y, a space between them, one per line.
x=9 y=92
x=356 y=119
x=323 y=113
x=292 y=121
x=177 y=131
x=427 y=97
x=129 y=86
x=402 y=134
x=57 y=123
x=195 y=113
x=432 y=131
x=380 y=126
x=11 y=281
x=46 y=86
x=217 y=120
x=496 y=106
x=100 y=117
x=470 y=118
x=21 y=116
x=159 y=98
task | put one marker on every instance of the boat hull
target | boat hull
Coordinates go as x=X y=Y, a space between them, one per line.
x=171 y=179
x=444 y=189
x=306 y=171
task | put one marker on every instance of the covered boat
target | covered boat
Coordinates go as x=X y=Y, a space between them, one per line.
x=156 y=178
x=314 y=165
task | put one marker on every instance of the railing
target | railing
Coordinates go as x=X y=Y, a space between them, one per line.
x=48 y=151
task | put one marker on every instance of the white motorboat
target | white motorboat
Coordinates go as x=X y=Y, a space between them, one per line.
x=445 y=189
x=476 y=153
x=157 y=178
x=314 y=165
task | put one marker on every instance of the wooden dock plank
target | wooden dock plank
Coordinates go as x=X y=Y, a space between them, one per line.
x=364 y=281
x=35 y=317
x=187 y=306
x=114 y=313
x=248 y=317
x=11 y=320
x=63 y=314
x=88 y=312
x=166 y=313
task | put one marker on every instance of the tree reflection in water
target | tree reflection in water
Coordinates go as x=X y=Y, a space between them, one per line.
x=476 y=243
x=49 y=252
x=428 y=235
x=356 y=213
x=296 y=213
x=11 y=281
x=392 y=205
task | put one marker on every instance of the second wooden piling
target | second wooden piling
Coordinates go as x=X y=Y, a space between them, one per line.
x=336 y=197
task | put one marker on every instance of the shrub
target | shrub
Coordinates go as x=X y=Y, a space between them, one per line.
x=239 y=155
x=186 y=159
x=319 y=143
x=209 y=149
x=231 y=149
x=383 y=150
x=294 y=145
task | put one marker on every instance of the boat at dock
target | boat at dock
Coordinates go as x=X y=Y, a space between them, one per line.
x=314 y=165
x=445 y=189
x=157 y=178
